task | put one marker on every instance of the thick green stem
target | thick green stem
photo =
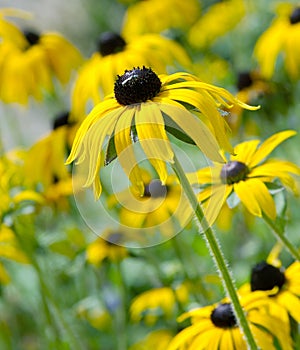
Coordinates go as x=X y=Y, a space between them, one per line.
x=282 y=238
x=217 y=255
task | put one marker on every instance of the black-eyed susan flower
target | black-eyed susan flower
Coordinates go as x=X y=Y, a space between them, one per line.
x=251 y=86
x=109 y=247
x=115 y=54
x=29 y=63
x=145 y=107
x=47 y=156
x=247 y=174
x=162 y=206
x=282 y=37
x=150 y=16
x=154 y=303
x=283 y=285
x=215 y=327
x=158 y=339
x=226 y=13
x=9 y=249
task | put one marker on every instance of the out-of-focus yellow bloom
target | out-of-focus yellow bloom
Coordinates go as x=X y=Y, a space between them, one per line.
x=29 y=61
x=108 y=246
x=116 y=54
x=9 y=249
x=218 y=20
x=283 y=36
x=283 y=285
x=163 y=207
x=155 y=16
x=155 y=303
x=157 y=340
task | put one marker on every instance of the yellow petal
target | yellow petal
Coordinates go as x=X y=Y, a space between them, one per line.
x=152 y=135
x=247 y=197
x=125 y=151
x=268 y=146
x=196 y=130
x=243 y=152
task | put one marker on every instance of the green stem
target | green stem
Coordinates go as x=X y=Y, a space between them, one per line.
x=217 y=254
x=122 y=311
x=281 y=237
x=47 y=298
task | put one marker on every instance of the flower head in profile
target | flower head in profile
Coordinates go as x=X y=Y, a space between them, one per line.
x=215 y=326
x=109 y=246
x=155 y=303
x=226 y=13
x=150 y=16
x=282 y=37
x=158 y=339
x=145 y=107
x=115 y=54
x=161 y=206
x=283 y=285
x=30 y=60
x=247 y=174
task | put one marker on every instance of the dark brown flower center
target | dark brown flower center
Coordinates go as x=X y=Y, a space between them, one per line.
x=61 y=120
x=31 y=37
x=136 y=86
x=265 y=277
x=155 y=189
x=244 y=80
x=110 y=43
x=114 y=238
x=233 y=172
x=223 y=316
x=295 y=16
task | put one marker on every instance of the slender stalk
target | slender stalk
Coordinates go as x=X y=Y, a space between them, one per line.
x=282 y=238
x=47 y=298
x=121 y=314
x=217 y=255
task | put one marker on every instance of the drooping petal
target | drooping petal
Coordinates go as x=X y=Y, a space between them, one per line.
x=245 y=194
x=195 y=129
x=125 y=151
x=153 y=137
x=269 y=145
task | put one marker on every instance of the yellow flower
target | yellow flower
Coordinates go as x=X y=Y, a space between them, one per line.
x=109 y=247
x=29 y=63
x=146 y=107
x=251 y=85
x=161 y=206
x=283 y=36
x=283 y=284
x=247 y=174
x=9 y=249
x=116 y=53
x=150 y=16
x=215 y=327
x=227 y=14
x=157 y=340
x=154 y=303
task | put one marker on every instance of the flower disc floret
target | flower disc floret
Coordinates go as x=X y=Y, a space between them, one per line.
x=265 y=277
x=136 y=86
x=233 y=172
x=110 y=43
x=32 y=37
x=155 y=189
x=223 y=316
x=295 y=16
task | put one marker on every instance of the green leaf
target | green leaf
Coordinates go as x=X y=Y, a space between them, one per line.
x=111 y=153
x=176 y=131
